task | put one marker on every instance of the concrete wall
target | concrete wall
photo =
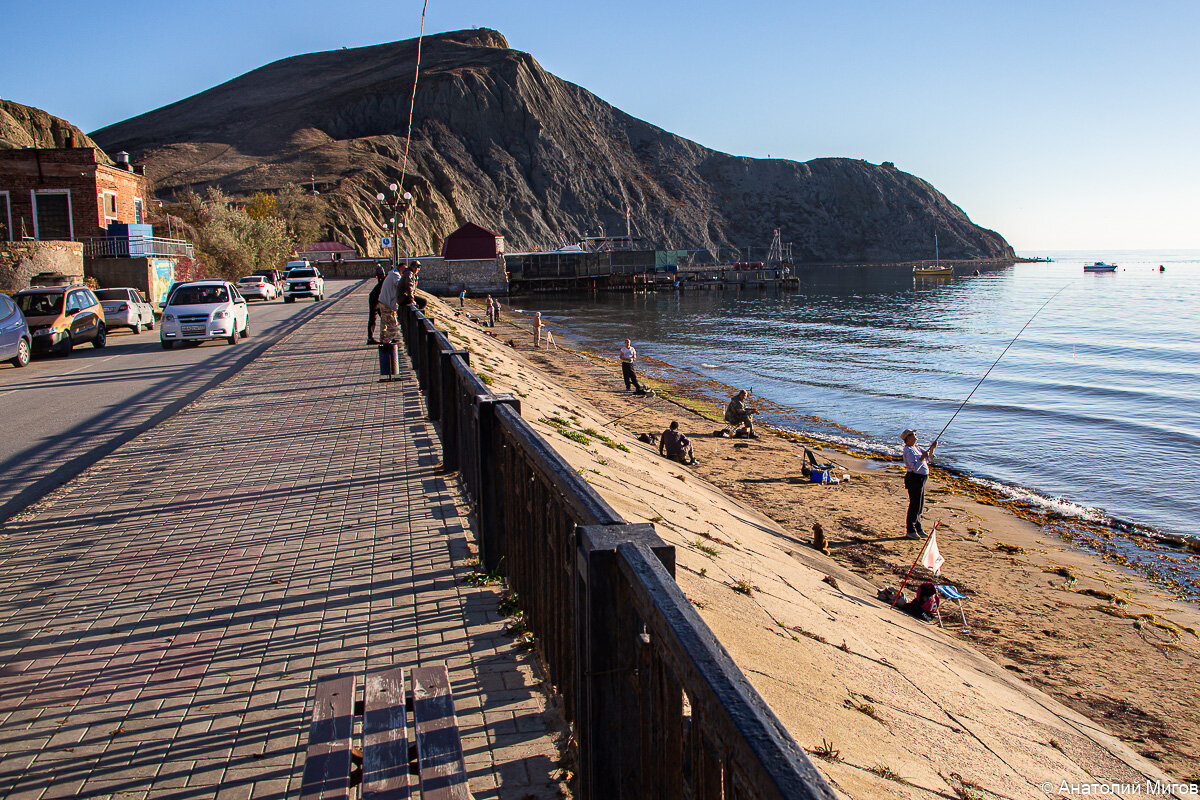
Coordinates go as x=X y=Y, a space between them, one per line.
x=151 y=275
x=448 y=278
x=20 y=261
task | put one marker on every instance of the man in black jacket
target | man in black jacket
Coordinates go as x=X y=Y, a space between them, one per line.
x=373 y=299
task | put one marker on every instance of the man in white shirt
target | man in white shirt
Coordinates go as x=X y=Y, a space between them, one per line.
x=916 y=461
x=628 y=356
x=389 y=302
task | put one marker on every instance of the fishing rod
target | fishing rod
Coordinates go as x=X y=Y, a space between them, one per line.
x=997 y=361
x=641 y=408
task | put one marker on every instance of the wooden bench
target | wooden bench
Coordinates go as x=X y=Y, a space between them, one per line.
x=387 y=762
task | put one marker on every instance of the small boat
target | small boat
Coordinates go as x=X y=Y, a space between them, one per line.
x=937 y=270
x=1100 y=266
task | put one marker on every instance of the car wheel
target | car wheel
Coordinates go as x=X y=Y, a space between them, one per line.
x=101 y=337
x=232 y=339
x=288 y=299
x=246 y=330
x=66 y=345
x=136 y=327
x=24 y=351
x=165 y=344
x=150 y=324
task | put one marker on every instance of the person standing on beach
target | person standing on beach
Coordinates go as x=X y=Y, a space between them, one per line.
x=916 y=461
x=373 y=302
x=462 y=298
x=628 y=356
x=537 y=329
x=491 y=312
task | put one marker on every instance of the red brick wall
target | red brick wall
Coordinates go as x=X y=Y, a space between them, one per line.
x=80 y=171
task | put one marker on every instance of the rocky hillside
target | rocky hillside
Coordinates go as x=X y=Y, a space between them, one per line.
x=26 y=126
x=499 y=141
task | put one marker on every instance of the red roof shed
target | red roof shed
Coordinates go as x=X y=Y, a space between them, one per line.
x=472 y=243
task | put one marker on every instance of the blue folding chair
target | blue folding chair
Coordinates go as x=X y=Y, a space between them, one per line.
x=951 y=593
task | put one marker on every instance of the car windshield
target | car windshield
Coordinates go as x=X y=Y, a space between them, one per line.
x=252 y=279
x=40 y=304
x=198 y=296
x=303 y=272
x=112 y=294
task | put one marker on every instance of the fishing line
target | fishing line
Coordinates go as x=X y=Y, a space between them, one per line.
x=997 y=361
x=412 y=105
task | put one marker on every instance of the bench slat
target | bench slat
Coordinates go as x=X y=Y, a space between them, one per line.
x=327 y=762
x=443 y=773
x=385 y=738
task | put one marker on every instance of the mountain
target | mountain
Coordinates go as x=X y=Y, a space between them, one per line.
x=26 y=126
x=499 y=141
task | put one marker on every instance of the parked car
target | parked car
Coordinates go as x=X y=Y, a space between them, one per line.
x=60 y=317
x=197 y=311
x=257 y=286
x=16 y=345
x=126 y=308
x=275 y=276
x=303 y=282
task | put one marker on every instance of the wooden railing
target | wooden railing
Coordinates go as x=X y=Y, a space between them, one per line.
x=658 y=707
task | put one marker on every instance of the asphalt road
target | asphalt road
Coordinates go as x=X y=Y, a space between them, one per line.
x=59 y=415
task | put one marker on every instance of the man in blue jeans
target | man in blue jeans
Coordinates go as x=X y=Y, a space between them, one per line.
x=916 y=461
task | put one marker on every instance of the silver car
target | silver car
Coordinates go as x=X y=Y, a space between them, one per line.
x=126 y=308
x=257 y=286
x=16 y=345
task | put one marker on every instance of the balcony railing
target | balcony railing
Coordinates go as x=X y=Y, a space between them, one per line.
x=136 y=247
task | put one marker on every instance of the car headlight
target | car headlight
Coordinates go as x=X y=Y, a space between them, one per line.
x=168 y=317
x=220 y=314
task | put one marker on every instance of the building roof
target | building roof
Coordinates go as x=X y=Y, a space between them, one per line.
x=471 y=242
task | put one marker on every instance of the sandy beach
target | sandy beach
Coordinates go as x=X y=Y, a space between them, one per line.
x=1061 y=647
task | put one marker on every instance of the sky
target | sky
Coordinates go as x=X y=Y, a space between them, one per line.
x=1062 y=125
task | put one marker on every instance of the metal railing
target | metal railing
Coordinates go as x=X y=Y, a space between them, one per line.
x=658 y=707
x=136 y=247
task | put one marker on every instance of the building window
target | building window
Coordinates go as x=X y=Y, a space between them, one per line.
x=52 y=214
x=110 y=208
x=6 y=230
x=137 y=211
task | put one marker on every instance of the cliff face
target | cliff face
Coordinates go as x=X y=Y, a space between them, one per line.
x=499 y=141
x=26 y=126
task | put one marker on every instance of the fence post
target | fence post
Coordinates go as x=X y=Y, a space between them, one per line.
x=608 y=649
x=435 y=402
x=490 y=503
x=451 y=425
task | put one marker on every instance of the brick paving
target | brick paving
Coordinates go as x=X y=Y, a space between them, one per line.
x=164 y=616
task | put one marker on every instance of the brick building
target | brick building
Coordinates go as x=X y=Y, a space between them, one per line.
x=67 y=193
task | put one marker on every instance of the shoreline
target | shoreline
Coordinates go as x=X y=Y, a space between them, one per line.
x=1160 y=556
x=1044 y=608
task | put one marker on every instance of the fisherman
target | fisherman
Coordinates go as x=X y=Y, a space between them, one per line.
x=675 y=446
x=462 y=297
x=916 y=461
x=628 y=356
x=389 y=303
x=373 y=303
x=739 y=416
x=491 y=312
x=537 y=329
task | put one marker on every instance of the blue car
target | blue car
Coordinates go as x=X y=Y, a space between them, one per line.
x=15 y=342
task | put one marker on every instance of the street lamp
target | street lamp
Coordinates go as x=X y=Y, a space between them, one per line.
x=397 y=204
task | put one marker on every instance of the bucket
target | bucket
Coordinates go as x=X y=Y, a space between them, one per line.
x=387 y=360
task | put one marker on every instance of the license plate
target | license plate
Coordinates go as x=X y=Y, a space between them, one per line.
x=192 y=330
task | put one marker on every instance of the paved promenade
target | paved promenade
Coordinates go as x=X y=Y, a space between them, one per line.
x=164 y=616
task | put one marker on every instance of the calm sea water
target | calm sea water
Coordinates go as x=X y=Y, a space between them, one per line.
x=1094 y=410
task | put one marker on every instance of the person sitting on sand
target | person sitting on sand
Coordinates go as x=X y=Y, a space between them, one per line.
x=916 y=461
x=925 y=605
x=739 y=416
x=675 y=446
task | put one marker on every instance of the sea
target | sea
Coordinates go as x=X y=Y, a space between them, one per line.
x=1093 y=410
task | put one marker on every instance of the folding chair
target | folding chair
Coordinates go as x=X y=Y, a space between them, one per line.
x=951 y=593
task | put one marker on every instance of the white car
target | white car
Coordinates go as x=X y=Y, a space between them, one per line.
x=125 y=308
x=257 y=286
x=200 y=310
x=303 y=282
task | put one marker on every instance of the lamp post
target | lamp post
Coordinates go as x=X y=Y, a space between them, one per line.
x=397 y=204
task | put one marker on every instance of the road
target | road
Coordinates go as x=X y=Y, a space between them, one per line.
x=60 y=415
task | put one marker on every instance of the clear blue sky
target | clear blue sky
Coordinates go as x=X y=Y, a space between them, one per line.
x=1063 y=125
